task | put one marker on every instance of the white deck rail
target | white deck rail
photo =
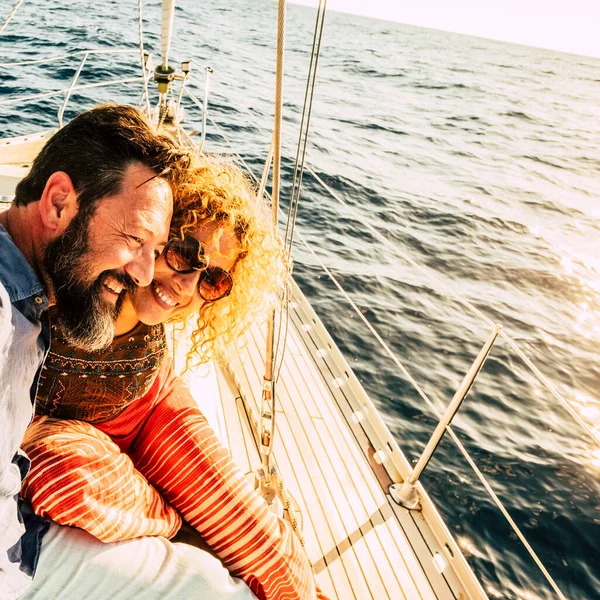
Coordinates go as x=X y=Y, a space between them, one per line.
x=72 y=86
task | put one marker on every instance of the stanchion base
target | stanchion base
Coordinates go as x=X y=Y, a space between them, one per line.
x=406 y=495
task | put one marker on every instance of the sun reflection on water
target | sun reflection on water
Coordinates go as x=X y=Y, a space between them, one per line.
x=572 y=262
x=492 y=592
x=589 y=409
x=525 y=595
x=468 y=547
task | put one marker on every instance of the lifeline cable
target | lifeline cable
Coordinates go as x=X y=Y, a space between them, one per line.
x=10 y=16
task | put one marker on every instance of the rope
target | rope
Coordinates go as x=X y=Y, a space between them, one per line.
x=162 y=117
x=10 y=16
x=227 y=139
x=299 y=145
x=255 y=431
x=61 y=112
x=432 y=406
x=268 y=401
x=295 y=192
x=286 y=293
x=281 y=345
x=146 y=98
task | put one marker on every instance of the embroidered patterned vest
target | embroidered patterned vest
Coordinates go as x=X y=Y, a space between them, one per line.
x=97 y=386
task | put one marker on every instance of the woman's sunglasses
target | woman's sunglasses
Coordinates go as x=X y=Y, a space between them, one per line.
x=187 y=256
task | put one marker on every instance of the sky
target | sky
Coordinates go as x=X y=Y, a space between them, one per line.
x=565 y=25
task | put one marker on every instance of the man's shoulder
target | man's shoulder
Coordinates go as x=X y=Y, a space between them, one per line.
x=16 y=274
x=5 y=322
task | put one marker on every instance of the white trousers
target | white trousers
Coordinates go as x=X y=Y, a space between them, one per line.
x=74 y=565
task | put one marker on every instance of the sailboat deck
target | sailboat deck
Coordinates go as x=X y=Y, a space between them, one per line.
x=360 y=542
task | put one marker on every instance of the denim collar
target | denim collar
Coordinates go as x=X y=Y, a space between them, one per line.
x=16 y=274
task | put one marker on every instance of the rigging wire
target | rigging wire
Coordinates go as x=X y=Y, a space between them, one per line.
x=300 y=161
x=450 y=431
x=10 y=16
x=303 y=135
x=284 y=303
x=87 y=86
x=53 y=59
x=146 y=98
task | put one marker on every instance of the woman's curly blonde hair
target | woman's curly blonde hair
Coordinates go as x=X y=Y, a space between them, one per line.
x=215 y=191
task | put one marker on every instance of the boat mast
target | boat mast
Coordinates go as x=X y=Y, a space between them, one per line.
x=169 y=113
x=267 y=409
x=164 y=74
x=166 y=31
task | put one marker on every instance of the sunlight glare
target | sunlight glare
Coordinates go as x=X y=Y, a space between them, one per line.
x=493 y=592
x=468 y=547
x=567 y=264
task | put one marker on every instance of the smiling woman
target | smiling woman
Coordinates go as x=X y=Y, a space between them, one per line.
x=223 y=266
x=135 y=421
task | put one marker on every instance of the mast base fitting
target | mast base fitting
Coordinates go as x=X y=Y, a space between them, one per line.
x=163 y=77
x=405 y=494
x=267 y=488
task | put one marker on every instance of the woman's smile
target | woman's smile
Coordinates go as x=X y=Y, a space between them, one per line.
x=164 y=296
x=172 y=293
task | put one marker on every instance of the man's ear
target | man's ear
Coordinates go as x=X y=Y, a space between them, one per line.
x=58 y=204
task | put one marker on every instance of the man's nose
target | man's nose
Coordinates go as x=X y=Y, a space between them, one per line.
x=141 y=269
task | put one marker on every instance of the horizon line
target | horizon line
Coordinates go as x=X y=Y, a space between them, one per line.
x=307 y=4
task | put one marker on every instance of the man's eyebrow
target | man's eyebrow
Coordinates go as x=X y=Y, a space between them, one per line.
x=143 y=226
x=144 y=229
x=147 y=231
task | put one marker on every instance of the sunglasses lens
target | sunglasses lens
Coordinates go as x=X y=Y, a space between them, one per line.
x=215 y=283
x=185 y=255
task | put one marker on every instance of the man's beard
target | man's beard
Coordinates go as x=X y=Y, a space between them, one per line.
x=86 y=319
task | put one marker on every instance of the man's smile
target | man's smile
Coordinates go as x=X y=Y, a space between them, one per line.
x=112 y=288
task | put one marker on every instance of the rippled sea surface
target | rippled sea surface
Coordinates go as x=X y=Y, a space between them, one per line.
x=478 y=159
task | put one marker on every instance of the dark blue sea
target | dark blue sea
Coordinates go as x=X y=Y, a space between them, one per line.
x=478 y=159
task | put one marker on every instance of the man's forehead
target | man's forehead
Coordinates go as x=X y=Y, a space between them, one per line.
x=142 y=178
x=152 y=221
x=146 y=201
x=138 y=175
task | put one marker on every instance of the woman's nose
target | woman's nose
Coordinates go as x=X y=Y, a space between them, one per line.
x=187 y=282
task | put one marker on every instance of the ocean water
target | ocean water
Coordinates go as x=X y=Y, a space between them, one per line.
x=481 y=161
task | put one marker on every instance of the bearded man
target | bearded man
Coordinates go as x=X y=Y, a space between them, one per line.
x=85 y=227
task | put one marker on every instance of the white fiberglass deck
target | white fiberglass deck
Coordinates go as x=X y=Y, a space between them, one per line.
x=361 y=543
